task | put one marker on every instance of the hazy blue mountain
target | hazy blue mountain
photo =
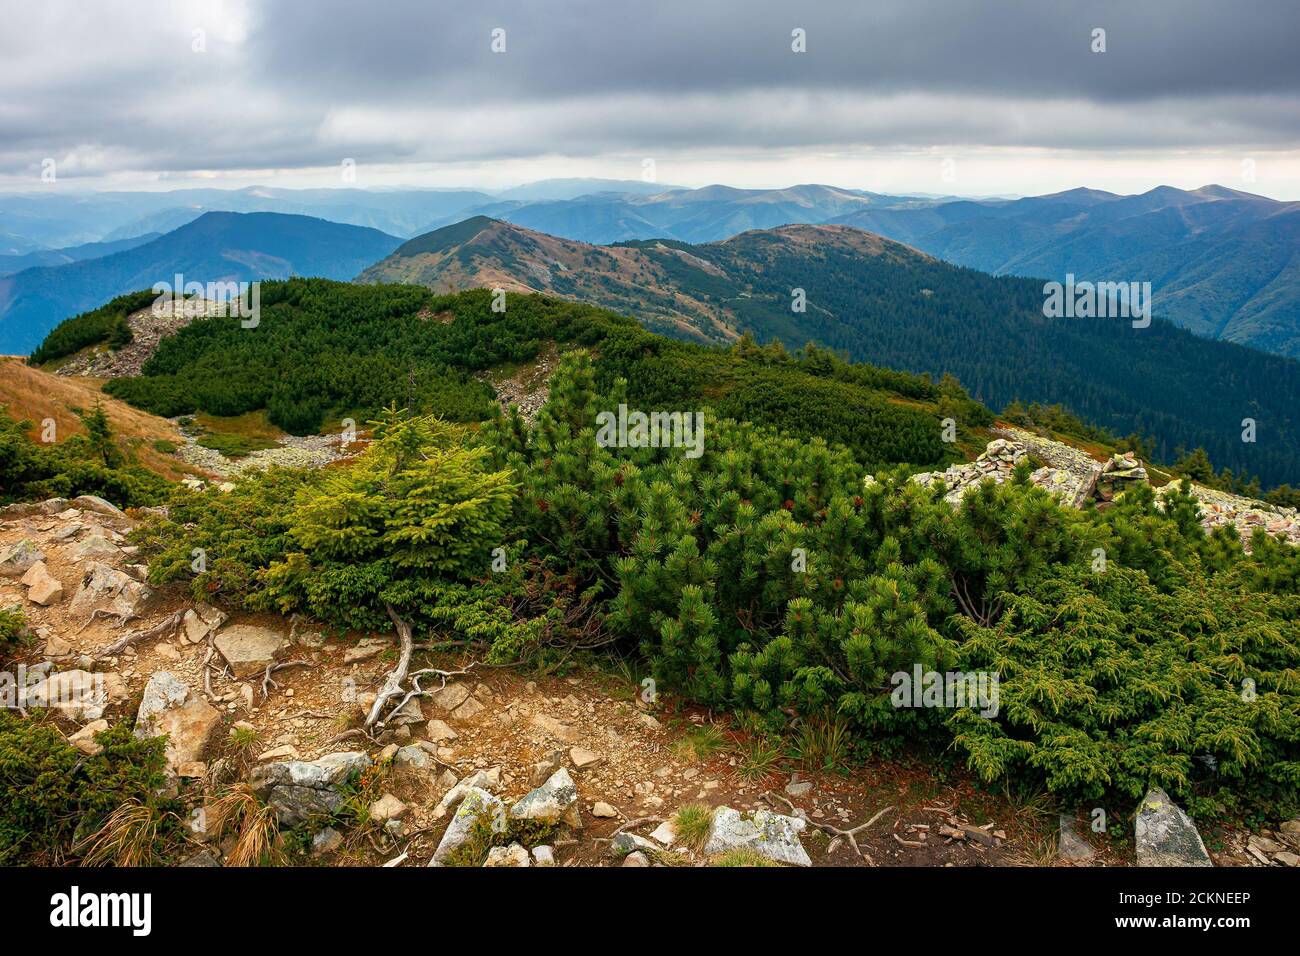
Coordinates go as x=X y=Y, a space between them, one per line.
x=218 y=246
x=689 y=215
x=551 y=189
x=56 y=219
x=9 y=264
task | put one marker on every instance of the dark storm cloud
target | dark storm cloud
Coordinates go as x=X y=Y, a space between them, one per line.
x=1027 y=48
x=297 y=83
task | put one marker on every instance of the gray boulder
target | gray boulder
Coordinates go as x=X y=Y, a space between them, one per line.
x=1165 y=834
x=301 y=789
x=555 y=801
x=250 y=649
x=1071 y=846
x=98 y=505
x=19 y=557
x=108 y=589
x=477 y=805
x=772 y=835
x=30 y=509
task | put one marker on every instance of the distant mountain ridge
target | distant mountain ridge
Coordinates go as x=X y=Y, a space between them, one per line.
x=1221 y=262
x=885 y=303
x=218 y=246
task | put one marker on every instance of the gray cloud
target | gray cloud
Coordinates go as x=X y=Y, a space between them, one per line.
x=116 y=86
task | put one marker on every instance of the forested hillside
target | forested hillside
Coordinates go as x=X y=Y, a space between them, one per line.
x=881 y=302
x=323 y=350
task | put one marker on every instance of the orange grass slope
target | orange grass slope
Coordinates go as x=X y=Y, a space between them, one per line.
x=35 y=395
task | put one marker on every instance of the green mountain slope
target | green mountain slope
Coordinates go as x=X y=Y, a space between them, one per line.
x=884 y=303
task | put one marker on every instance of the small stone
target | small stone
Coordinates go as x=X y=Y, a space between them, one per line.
x=413 y=756
x=326 y=841
x=603 y=810
x=285 y=752
x=798 y=788
x=57 y=647
x=512 y=855
x=636 y=858
x=250 y=649
x=554 y=728
x=84 y=739
x=543 y=856
x=1287 y=858
x=366 y=649
x=449 y=697
x=386 y=808
x=665 y=833
x=582 y=759
x=470 y=709
x=1070 y=846
x=440 y=731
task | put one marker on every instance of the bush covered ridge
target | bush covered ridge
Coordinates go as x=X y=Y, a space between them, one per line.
x=767 y=578
x=326 y=349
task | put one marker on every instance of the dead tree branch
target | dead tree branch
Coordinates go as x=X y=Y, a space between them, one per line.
x=167 y=626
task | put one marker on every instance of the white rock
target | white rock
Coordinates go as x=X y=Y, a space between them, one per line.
x=772 y=835
x=187 y=719
x=512 y=855
x=476 y=804
x=386 y=808
x=555 y=801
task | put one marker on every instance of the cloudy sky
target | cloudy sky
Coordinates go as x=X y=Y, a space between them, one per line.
x=949 y=96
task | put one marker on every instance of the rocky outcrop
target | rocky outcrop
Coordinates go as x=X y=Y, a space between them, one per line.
x=1165 y=834
x=555 y=801
x=300 y=789
x=772 y=835
x=477 y=808
x=168 y=707
x=17 y=559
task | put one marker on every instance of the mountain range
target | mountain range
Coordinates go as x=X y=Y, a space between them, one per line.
x=886 y=303
x=1222 y=263
x=218 y=246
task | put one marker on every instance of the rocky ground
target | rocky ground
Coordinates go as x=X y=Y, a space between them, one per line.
x=293 y=451
x=577 y=765
x=1075 y=477
x=148 y=328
